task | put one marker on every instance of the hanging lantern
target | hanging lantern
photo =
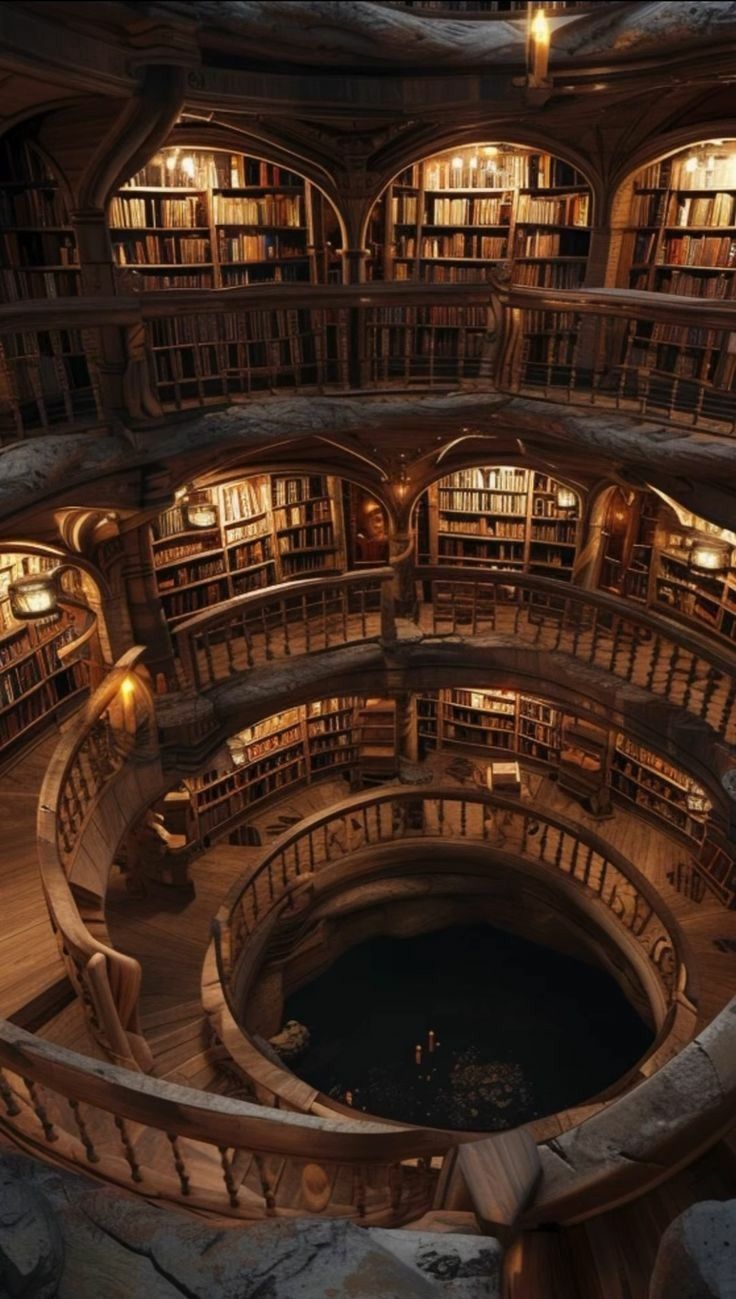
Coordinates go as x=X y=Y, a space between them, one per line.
x=33 y=597
x=566 y=498
x=199 y=510
x=710 y=556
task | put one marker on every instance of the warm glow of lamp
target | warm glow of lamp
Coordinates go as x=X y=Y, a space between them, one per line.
x=187 y=166
x=127 y=687
x=457 y=163
x=33 y=597
x=710 y=556
x=200 y=511
x=170 y=161
x=566 y=498
x=691 y=164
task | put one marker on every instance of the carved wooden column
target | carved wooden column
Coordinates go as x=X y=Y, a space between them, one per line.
x=406 y=726
x=147 y=621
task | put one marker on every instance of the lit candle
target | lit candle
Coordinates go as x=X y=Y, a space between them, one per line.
x=417 y=1054
x=431 y=1041
x=539 y=47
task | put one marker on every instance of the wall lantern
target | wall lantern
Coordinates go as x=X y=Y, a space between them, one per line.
x=199 y=510
x=566 y=498
x=710 y=556
x=36 y=596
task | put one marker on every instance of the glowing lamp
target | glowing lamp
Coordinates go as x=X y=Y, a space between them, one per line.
x=456 y=164
x=33 y=597
x=709 y=556
x=188 y=167
x=566 y=498
x=200 y=511
x=691 y=164
x=127 y=687
x=170 y=161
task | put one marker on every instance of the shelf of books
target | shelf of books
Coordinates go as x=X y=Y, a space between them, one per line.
x=263 y=530
x=211 y=219
x=628 y=542
x=455 y=217
x=311 y=742
x=501 y=720
x=504 y=517
x=36 y=688
x=657 y=787
x=44 y=379
x=703 y=596
x=682 y=239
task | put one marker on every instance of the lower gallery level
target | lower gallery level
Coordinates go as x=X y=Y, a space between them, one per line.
x=368 y=650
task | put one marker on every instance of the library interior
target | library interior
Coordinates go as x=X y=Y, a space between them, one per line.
x=368 y=649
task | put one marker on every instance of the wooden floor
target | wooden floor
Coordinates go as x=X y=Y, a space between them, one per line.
x=31 y=971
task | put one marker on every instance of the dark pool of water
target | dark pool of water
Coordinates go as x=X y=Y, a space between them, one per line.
x=522 y=1031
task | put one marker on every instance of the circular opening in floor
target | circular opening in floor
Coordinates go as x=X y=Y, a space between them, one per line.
x=468 y=1028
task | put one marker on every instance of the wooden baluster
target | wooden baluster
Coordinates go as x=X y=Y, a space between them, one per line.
x=441 y=817
x=266 y=628
x=655 y=655
x=690 y=680
x=587 y=863
x=543 y=843
x=377 y=817
x=179 y=1165
x=266 y=1184
x=229 y=638
x=39 y=1109
x=454 y=595
x=127 y=1144
x=310 y=841
x=209 y=663
x=227 y=1176
x=672 y=670
x=558 y=851
x=247 y=639
x=574 y=858
x=6 y=1092
x=83 y=1130
x=359 y=1190
x=285 y=628
x=726 y=717
x=325 y=620
x=474 y=609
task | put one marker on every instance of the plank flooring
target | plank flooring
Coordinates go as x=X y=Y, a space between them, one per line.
x=31 y=969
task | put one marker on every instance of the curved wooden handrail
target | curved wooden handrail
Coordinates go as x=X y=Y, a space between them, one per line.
x=84 y=809
x=312 y=614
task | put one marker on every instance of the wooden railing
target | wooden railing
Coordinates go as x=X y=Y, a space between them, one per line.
x=401 y=812
x=633 y=644
x=210 y=1153
x=592 y=347
x=103 y=771
x=300 y=617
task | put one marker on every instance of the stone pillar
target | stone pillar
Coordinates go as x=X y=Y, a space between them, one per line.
x=147 y=622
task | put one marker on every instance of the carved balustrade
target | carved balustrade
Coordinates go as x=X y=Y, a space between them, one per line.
x=208 y=1152
x=301 y=617
x=102 y=772
x=594 y=348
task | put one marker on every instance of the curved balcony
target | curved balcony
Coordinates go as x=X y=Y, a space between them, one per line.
x=361 y=339
x=239 y=1159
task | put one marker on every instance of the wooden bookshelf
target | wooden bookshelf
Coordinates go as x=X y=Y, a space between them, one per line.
x=682 y=239
x=213 y=219
x=496 y=720
x=310 y=742
x=269 y=529
x=583 y=762
x=659 y=789
x=35 y=686
x=38 y=247
x=708 y=600
x=628 y=541
x=454 y=218
x=504 y=517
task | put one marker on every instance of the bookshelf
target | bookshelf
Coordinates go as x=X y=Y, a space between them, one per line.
x=454 y=218
x=681 y=238
x=698 y=595
x=498 y=720
x=215 y=219
x=583 y=761
x=658 y=788
x=35 y=686
x=267 y=529
x=628 y=540
x=311 y=742
x=38 y=248
x=504 y=517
